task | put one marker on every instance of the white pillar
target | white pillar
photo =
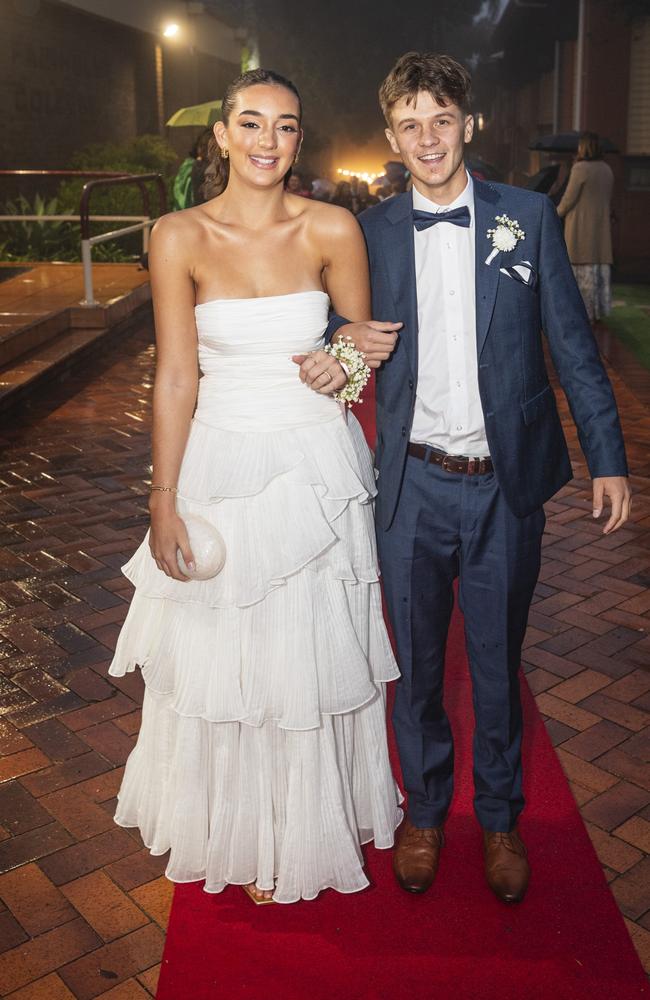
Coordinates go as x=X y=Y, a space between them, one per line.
x=86 y=259
x=579 y=68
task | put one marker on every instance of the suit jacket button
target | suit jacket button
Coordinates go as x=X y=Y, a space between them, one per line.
x=403 y=432
x=410 y=383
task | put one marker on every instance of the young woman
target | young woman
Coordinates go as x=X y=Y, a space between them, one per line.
x=262 y=757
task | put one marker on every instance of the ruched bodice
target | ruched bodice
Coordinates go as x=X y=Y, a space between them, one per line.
x=262 y=753
x=249 y=381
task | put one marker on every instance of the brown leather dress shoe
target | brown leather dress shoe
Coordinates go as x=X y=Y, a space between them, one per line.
x=416 y=857
x=506 y=866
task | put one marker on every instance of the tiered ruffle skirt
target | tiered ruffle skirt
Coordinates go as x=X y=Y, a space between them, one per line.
x=262 y=754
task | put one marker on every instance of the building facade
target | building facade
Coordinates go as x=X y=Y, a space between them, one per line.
x=104 y=70
x=566 y=65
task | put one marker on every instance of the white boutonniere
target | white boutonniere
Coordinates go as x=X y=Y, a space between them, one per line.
x=505 y=236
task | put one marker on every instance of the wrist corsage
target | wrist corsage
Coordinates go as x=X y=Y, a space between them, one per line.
x=353 y=363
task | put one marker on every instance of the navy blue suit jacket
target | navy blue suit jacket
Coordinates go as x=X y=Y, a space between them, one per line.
x=523 y=427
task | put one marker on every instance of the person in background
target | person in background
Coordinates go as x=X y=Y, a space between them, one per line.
x=182 y=186
x=586 y=210
x=384 y=192
x=364 y=199
x=296 y=186
x=199 y=167
x=559 y=184
x=322 y=189
x=343 y=195
x=184 y=189
x=354 y=193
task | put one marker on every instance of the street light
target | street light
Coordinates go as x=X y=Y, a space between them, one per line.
x=171 y=30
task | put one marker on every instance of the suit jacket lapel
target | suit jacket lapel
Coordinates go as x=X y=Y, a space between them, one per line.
x=486 y=206
x=399 y=252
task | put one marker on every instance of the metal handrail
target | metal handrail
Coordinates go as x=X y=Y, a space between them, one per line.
x=71 y=218
x=63 y=173
x=139 y=179
x=88 y=241
x=98 y=178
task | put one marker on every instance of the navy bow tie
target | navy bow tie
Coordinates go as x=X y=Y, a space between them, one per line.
x=457 y=216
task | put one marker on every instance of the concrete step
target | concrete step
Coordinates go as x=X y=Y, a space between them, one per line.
x=56 y=356
x=16 y=341
x=43 y=329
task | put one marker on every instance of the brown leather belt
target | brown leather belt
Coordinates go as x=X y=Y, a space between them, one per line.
x=451 y=463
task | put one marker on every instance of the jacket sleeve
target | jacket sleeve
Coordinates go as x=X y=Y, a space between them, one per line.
x=572 y=192
x=335 y=323
x=575 y=354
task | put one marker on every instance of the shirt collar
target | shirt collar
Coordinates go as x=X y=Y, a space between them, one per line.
x=466 y=197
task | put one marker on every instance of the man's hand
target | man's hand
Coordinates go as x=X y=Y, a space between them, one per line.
x=375 y=339
x=321 y=372
x=617 y=490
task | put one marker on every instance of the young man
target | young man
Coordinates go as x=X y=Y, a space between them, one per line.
x=469 y=447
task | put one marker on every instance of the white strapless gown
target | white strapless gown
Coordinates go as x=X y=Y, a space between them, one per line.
x=262 y=754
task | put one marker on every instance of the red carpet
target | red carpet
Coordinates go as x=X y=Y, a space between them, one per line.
x=457 y=942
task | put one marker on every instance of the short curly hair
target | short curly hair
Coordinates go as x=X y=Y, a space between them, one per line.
x=441 y=76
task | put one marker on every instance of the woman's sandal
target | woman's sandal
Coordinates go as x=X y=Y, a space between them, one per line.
x=250 y=892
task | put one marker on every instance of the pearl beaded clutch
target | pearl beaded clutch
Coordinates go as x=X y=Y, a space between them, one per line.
x=208 y=549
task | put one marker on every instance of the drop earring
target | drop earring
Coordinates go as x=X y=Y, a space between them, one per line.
x=224 y=153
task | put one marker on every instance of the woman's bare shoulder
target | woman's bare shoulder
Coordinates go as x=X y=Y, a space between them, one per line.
x=332 y=220
x=175 y=224
x=178 y=232
x=171 y=231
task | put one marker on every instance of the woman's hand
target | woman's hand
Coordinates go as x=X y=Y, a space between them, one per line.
x=375 y=339
x=321 y=372
x=166 y=536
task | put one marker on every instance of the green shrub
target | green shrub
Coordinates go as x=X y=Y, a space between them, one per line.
x=36 y=240
x=62 y=240
x=32 y=240
x=146 y=154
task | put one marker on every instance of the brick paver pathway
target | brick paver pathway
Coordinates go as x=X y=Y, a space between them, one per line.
x=84 y=907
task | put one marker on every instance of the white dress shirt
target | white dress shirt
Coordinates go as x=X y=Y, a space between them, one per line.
x=448 y=414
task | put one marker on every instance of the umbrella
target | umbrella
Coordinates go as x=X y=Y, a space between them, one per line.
x=567 y=142
x=203 y=115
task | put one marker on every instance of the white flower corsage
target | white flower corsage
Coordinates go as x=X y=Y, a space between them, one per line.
x=353 y=363
x=505 y=236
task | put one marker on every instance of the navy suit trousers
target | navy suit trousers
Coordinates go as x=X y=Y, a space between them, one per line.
x=446 y=526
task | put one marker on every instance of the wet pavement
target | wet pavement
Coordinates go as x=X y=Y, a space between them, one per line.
x=84 y=907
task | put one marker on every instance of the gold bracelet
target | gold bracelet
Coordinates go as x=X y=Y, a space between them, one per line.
x=165 y=489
